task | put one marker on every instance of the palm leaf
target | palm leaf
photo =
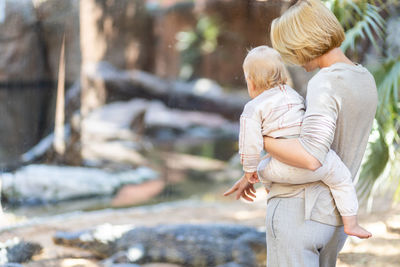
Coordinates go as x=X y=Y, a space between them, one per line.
x=367 y=26
x=375 y=160
x=383 y=146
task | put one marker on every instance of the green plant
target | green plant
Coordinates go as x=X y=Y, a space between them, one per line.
x=196 y=43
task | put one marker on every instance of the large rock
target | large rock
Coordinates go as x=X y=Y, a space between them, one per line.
x=393 y=224
x=26 y=95
x=44 y=183
x=114 y=132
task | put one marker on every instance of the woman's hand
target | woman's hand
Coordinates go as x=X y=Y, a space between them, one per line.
x=244 y=189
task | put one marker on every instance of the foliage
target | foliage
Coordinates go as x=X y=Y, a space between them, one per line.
x=196 y=43
x=362 y=21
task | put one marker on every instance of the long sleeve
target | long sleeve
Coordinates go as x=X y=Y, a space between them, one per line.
x=319 y=123
x=250 y=142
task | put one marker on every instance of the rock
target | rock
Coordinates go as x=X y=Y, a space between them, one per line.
x=200 y=95
x=25 y=91
x=107 y=136
x=131 y=194
x=16 y=251
x=43 y=183
x=393 y=224
x=159 y=116
x=114 y=132
x=112 y=121
x=21 y=52
x=115 y=155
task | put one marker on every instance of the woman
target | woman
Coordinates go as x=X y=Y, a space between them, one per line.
x=303 y=225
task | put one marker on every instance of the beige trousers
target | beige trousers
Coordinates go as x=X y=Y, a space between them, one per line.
x=295 y=242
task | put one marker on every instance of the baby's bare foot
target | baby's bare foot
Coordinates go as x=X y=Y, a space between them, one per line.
x=357 y=231
x=351 y=227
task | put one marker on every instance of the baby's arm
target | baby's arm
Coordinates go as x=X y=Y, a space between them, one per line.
x=317 y=131
x=250 y=143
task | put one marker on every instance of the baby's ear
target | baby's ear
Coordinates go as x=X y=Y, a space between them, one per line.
x=252 y=85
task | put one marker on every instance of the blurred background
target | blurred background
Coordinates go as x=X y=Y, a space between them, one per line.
x=126 y=111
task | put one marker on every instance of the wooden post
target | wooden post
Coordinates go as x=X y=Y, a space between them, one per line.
x=59 y=138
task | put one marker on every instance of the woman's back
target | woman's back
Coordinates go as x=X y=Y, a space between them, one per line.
x=349 y=91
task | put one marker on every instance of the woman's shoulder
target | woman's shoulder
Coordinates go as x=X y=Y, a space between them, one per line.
x=339 y=71
x=321 y=82
x=340 y=77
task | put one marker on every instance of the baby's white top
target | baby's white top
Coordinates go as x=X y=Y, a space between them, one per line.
x=276 y=112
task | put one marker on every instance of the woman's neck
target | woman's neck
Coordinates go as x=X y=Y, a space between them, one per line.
x=334 y=56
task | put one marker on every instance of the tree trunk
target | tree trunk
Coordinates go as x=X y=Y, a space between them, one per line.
x=113 y=31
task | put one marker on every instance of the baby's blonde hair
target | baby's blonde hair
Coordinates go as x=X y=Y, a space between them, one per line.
x=306 y=31
x=265 y=68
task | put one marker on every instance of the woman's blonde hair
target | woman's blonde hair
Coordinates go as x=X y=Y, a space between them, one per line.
x=265 y=68
x=306 y=31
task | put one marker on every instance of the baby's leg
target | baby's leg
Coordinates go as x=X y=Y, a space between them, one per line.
x=344 y=193
x=333 y=173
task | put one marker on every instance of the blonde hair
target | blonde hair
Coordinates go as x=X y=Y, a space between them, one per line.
x=306 y=31
x=265 y=68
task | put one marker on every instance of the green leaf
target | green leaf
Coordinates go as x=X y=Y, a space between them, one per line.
x=375 y=160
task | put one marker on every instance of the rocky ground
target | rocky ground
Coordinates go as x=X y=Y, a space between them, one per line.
x=381 y=250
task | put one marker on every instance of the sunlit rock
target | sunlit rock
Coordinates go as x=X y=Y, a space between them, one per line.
x=25 y=92
x=43 y=183
x=393 y=224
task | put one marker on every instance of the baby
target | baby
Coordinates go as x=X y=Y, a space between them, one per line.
x=277 y=110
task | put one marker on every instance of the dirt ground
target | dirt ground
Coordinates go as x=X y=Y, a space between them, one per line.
x=382 y=250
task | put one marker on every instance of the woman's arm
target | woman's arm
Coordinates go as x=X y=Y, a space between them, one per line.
x=291 y=152
x=317 y=131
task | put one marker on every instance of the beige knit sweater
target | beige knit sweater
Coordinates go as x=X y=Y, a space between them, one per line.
x=340 y=107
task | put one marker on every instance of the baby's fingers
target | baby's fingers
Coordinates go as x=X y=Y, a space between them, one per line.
x=231 y=190
x=249 y=193
x=247 y=197
x=252 y=188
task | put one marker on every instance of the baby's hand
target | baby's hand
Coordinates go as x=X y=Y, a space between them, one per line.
x=251 y=177
x=243 y=189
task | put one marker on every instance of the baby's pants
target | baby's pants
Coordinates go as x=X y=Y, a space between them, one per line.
x=333 y=173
